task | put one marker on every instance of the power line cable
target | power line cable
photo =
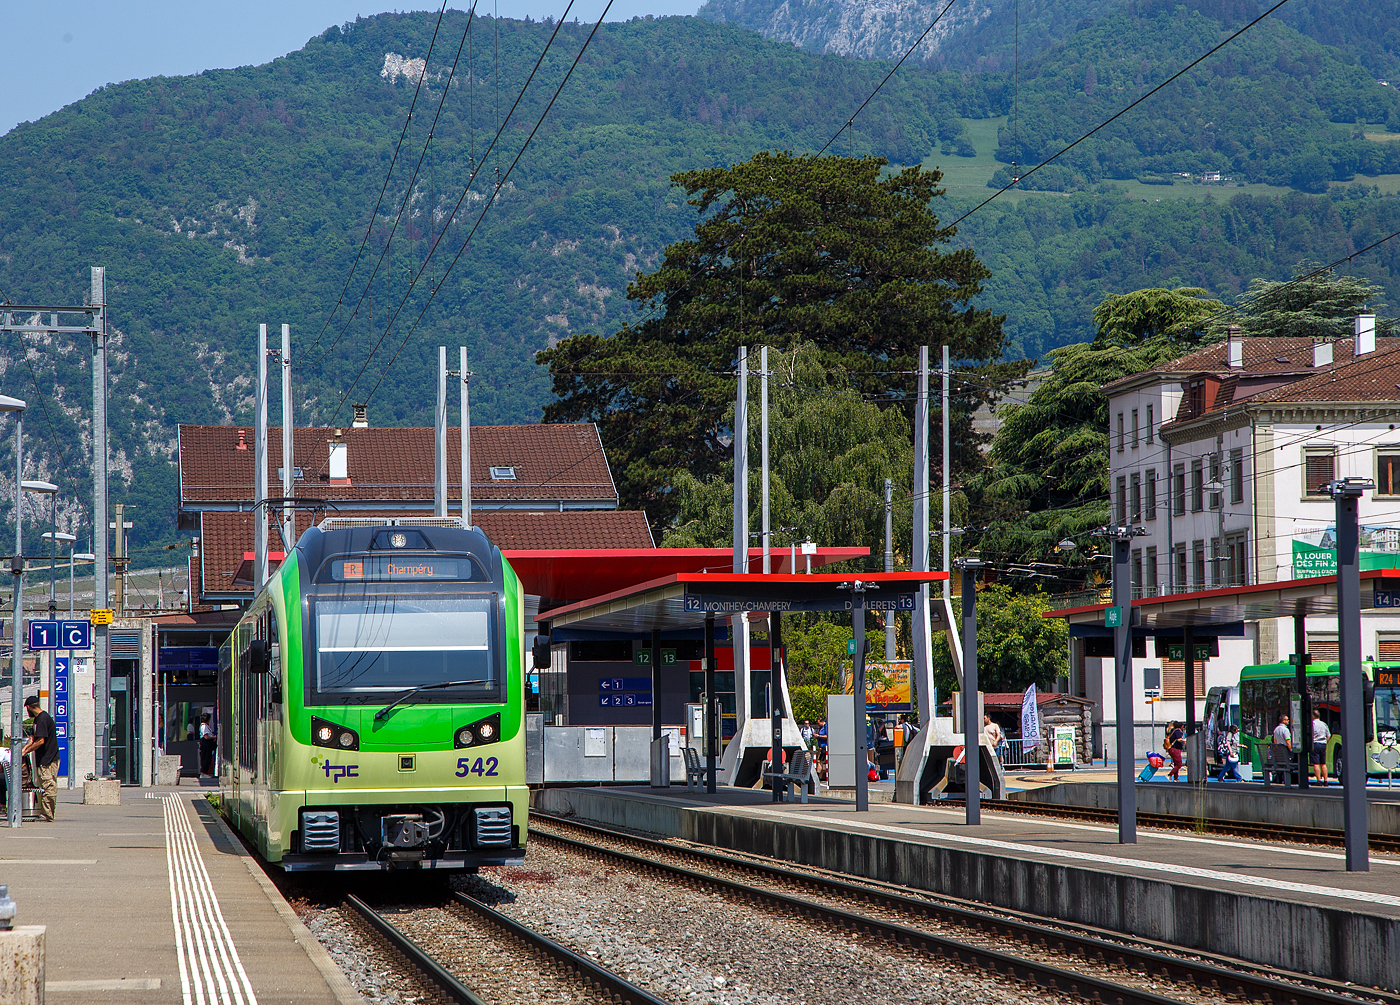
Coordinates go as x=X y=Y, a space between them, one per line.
x=881 y=84
x=1117 y=115
x=489 y=203
x=408 y=192
x=374 y=215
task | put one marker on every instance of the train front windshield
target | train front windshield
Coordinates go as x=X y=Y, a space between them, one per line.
x=374 y=641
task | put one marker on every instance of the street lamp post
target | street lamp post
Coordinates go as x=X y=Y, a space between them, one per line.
x=82 y=556
x=16 y=405
x=58 y=536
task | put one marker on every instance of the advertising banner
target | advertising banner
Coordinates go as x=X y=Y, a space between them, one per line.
x=887 y=688
x=1315 y=550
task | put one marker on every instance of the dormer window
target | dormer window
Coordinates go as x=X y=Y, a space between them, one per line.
x=502 y=474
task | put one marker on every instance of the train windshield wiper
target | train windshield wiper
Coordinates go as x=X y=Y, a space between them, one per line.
x=423 y=687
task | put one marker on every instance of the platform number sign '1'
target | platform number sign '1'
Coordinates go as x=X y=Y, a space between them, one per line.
x=60 y=635
x=60 y=711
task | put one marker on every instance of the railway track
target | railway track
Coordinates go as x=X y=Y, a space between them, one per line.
x=1204 y=825
x=1192 y=972
x=553 y=956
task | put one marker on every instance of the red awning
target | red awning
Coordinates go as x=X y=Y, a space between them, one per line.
x=583 y=573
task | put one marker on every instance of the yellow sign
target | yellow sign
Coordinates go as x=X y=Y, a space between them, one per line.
x=886 y=687
x=100 y=616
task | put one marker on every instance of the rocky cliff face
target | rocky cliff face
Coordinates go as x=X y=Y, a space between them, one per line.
x=863 y=29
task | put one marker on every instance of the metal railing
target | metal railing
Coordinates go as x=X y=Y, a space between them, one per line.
x=1014 y=754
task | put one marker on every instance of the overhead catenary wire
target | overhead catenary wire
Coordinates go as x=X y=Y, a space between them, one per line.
x=389 y=174
x=412 y=181
x=489 y=202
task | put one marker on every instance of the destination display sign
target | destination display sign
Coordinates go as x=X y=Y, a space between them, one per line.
x=705 y=603
x=1387 y=678
x=386 y=568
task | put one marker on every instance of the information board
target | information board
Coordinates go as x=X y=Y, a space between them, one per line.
x=60 y=710
x=1062 y=746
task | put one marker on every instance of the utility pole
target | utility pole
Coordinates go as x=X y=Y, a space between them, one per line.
x=889 y=565
x=14 y=796
x=763 y=450
x=101 y=656
x=440 y=438
x=119 y=559
x=947 y=483
x=739 y=623
x=289 y=513
x=260 y=515
x=922 y=631
x=972 y=722
x=1122 y=624
x=1346 y=493
x=862 y=717
x=465 y=375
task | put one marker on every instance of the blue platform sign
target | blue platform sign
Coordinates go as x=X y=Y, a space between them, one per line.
x=695 y=603
x=630 y=700
x=624 y=684
x=60 y=635
x=43 y=635
x=74 y=635
x=60 y=710
x=1386 y=598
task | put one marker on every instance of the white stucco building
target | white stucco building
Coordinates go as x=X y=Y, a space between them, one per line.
x=1220 y=456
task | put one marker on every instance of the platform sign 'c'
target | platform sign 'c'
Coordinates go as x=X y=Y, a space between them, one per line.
x=74 y=635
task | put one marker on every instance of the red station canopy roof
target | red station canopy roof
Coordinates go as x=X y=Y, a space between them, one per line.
x=582 y=573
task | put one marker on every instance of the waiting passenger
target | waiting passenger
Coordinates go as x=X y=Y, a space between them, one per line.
x=1320 y=735
x=1231 y=771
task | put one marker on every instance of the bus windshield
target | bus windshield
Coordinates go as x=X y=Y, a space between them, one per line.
x=1388 y=711
x=373 y=642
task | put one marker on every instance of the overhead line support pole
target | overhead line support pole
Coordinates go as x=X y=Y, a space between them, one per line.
x=101 y=659
x=1347 y=494
x=289 y=513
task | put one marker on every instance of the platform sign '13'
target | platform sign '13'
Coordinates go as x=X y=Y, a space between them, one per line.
x=60 y=710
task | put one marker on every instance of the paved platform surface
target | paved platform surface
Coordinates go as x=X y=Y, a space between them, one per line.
x=1277 y=871
x=154 y=901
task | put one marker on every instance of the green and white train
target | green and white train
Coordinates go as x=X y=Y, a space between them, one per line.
x=372 y=702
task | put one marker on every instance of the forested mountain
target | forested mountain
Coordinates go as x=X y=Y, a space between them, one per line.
x=235 y=197
x=985 y=35
x=241 y=196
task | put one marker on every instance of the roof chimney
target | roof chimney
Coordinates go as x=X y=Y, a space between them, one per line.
x=1322 y=354
x=339 y=468
x=1235 y=354
x=361 y=417
x=242 y=441
x=1365 y=334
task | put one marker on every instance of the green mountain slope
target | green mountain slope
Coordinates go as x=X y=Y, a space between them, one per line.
x=240 y=196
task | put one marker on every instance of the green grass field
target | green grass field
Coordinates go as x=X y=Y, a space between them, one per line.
x=968 y=176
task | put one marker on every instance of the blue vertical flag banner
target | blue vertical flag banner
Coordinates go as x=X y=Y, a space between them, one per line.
x=1030 y=720
x=60 y=710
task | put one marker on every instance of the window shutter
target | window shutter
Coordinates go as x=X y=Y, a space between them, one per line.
x=124 y=644
x=1320 y=469
x=1323 y=650
x=1388 y=650
x=1174 y=679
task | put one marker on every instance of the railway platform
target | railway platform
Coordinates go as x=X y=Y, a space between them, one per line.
x=156 y=901
x=1271 y=903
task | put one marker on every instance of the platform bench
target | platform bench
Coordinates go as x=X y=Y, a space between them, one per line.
x=694 y=770
x=799 y=773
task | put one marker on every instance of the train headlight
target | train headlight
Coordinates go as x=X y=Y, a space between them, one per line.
x=325 y=733
x=486 y=730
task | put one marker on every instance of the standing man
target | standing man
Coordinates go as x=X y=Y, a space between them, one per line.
x=1283 y=737
x=994 y=736
x=1320 y=735
x=207 y=745
x=44 y=743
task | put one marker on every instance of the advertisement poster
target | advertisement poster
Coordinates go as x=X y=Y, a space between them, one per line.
x=1064 y=745
x=887 y=687
x=1315 y=550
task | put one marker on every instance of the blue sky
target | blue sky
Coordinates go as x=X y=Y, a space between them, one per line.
x=63 y=50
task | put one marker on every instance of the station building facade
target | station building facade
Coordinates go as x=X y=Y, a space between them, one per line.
x=1220 y=457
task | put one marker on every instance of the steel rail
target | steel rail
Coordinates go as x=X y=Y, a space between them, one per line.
x=616 y=988
x=1207 y=972
x=417 y=956
x=1174 y=821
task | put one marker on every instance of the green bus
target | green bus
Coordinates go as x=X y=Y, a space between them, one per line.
x=1268 y=692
